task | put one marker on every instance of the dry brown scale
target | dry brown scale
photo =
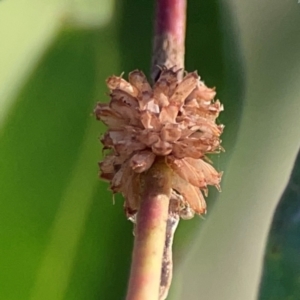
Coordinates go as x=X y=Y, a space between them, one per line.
x=173 y=119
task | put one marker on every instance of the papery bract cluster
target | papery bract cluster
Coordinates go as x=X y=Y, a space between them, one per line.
x=173 y=118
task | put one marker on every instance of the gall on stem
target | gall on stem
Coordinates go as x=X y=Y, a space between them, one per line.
x=158 y=137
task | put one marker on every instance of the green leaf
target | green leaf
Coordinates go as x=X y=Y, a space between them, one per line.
x=27 y=28
x=49 y=186
x=226 y=259
x=281 y=275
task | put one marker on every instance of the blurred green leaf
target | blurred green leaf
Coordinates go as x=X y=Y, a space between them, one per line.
x=281 y=272
x=49 y=153
x=27 y=28
x=39 y=147
x=225 y=262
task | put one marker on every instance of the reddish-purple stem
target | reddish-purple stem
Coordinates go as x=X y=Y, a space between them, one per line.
x=152 y=260
x=150 y=233
x=171 y=18
x=169 y=35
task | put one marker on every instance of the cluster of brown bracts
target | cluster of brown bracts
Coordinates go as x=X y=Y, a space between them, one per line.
x=173 y=118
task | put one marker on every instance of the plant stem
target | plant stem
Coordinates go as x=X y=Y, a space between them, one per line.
x=150 y=233
x=151 y=269
x=169 y=35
